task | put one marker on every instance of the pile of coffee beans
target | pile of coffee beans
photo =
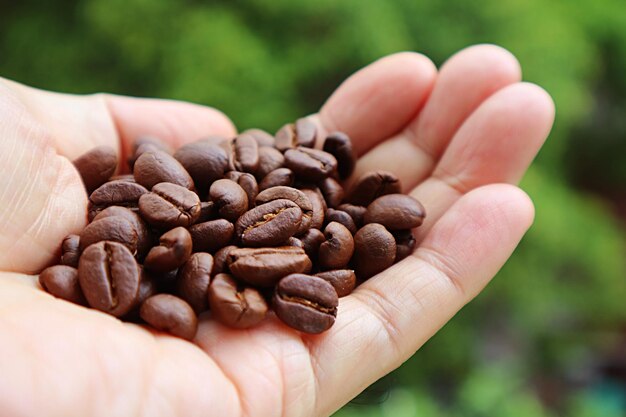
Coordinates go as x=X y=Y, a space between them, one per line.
x=234 y=226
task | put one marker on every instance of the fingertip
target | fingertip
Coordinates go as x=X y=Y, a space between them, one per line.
x=503 y=65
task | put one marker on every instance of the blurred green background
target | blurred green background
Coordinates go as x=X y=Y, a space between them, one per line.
x=548 y=336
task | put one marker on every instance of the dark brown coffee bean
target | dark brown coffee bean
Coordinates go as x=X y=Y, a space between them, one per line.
x=294 y=241
x=62 y=282
x=246 y=153
x=301 y=133
x=374 y=250
x=173 y=251
x=146 y=143
x=109 y=277
x=230 y=199
x=336 y=251
x=170 y=314
x=341 y=217
x=293 y=194
x=319 y=207
x=144 y=237
x=356 y=212
x=372 y=185
x=310 y=164
x=245 y=181
x=269 y=224
x=270 y=159
x=96 y=166
x=306 y=303
x=405 y=243
x=208 y=211
x=115 y=229
x=169 y=206
x=339 y=145
x=235 y=305
x=70 y=250
x=261 y=136
x=263 y=267
x=115 y=193
x=204 y=162
x=219 y=260
x=280 y=176
x=395 y=212
x=154 y=167
x=212 y=235
x=311 y=241
x=343 y=280
x=193 y=281
x=147 y=287
x=332 y=191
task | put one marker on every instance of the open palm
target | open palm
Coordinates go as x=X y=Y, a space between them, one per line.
x=457 y=138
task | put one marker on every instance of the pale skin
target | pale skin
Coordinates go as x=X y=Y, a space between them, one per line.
x=460 y=138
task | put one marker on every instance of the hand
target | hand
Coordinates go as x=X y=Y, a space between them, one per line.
x=458 y=138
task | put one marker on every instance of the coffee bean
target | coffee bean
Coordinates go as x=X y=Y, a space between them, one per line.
x=96 y=166
x=301 y=133
x=261 y=136
x=245 y=153
x=147 y=287
x=212 y=235
x=293 y=194
x=356 y=212
x=374 y=250
x=340 y=217
x=270 y=159
x=339 y=145
x=144 y=237
x=154 y=167
x=70 y=250
x=332 y=191
x=235 y=305
x=230 y=199
x=173 y=251
x=169 y=205
x=311 y=241
x=115 y=193
x=62 y=282
x=245 y=181
x=372 y=185
x=220 y=258
x=115 y=229
x=395 y=212
x=294 y=241
x=319 y=207
x=306 y=303
x=269 y=224
x=193 y=281
x=263 y=267
x=405 y=243
x=343 y=280
x=208 y=211
x=146 y=143
x=109 y=277
x=310 y=164
x=170 y=314
x=336 y=251
x=280 y=176
x=204 y=162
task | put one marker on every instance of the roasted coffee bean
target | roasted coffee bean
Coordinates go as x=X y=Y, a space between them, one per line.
x=146 y=143
x=170 y=314
x=310 y=164
x=154 y=167
x=144 y=237
x=62 y=282
x=96 y=166
x=269 y=224
x=270 y=159
x=147 y=287
x=293 y=194
x=109 y=277
x=336 y=251
x=193 y=281
x=245 y=181
x=263 y=267
x=305 y=303
x=70 y=250
x=339 y=145
x=230 y=199
x=220 y=258
x=374 y=250
x=169 y=205
x=204 y=162
x=208 y=211
x=395 y=212
x=173 y=251
x=244 y=154
x=212 y=235
x=301 y=133
x=235 y=305
x=319 y=207
x=294 y=241
x=405 y=243
x=115 y=193
x=340 y=217
x=343 y=280
x=311 y=241
x=332 y=191
x=115 y=229
x=261 y=136
x=280 y=176
x=372 y=185
x=356 y=212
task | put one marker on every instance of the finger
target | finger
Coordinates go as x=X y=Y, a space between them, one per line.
x=390 y=316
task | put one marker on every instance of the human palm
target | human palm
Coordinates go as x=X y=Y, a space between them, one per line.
x=457 y=139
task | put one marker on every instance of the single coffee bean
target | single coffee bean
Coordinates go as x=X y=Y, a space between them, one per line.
x=70 y=250
x=306 y=303
x=395 y=212
x=269 y=224
x=208 y=211
x=293 y=194
x=261 y=136
x=173 y=251
x=372 y=185
x=115 y=229
x=169 y=205
x=311 y=241
x=154 y=167
x=146 y=143
x=405 y=243
x=263 y=267
x=109 y=277
x=343 y=280
x=212 y=235
x=230 y=199
x=193 y=281
x=123 y=177
x=319 y=207
x=245 y=181
x=339 y=145
x=332 y=191
x=245 y=154
x=280 y=176
x=356 y=212
x=170 y=314
x=220 y=258
x=294 y=241
x=96 y=166
x=144 y=237
x=204 y=162
x=310 y=164
x=342 y=217
x=270 y=159
x=115 y=193
x=336 y=251
x=235 y=305
x=62 y=282
x=147 y=288
x=374 y=250
x=301 y=133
